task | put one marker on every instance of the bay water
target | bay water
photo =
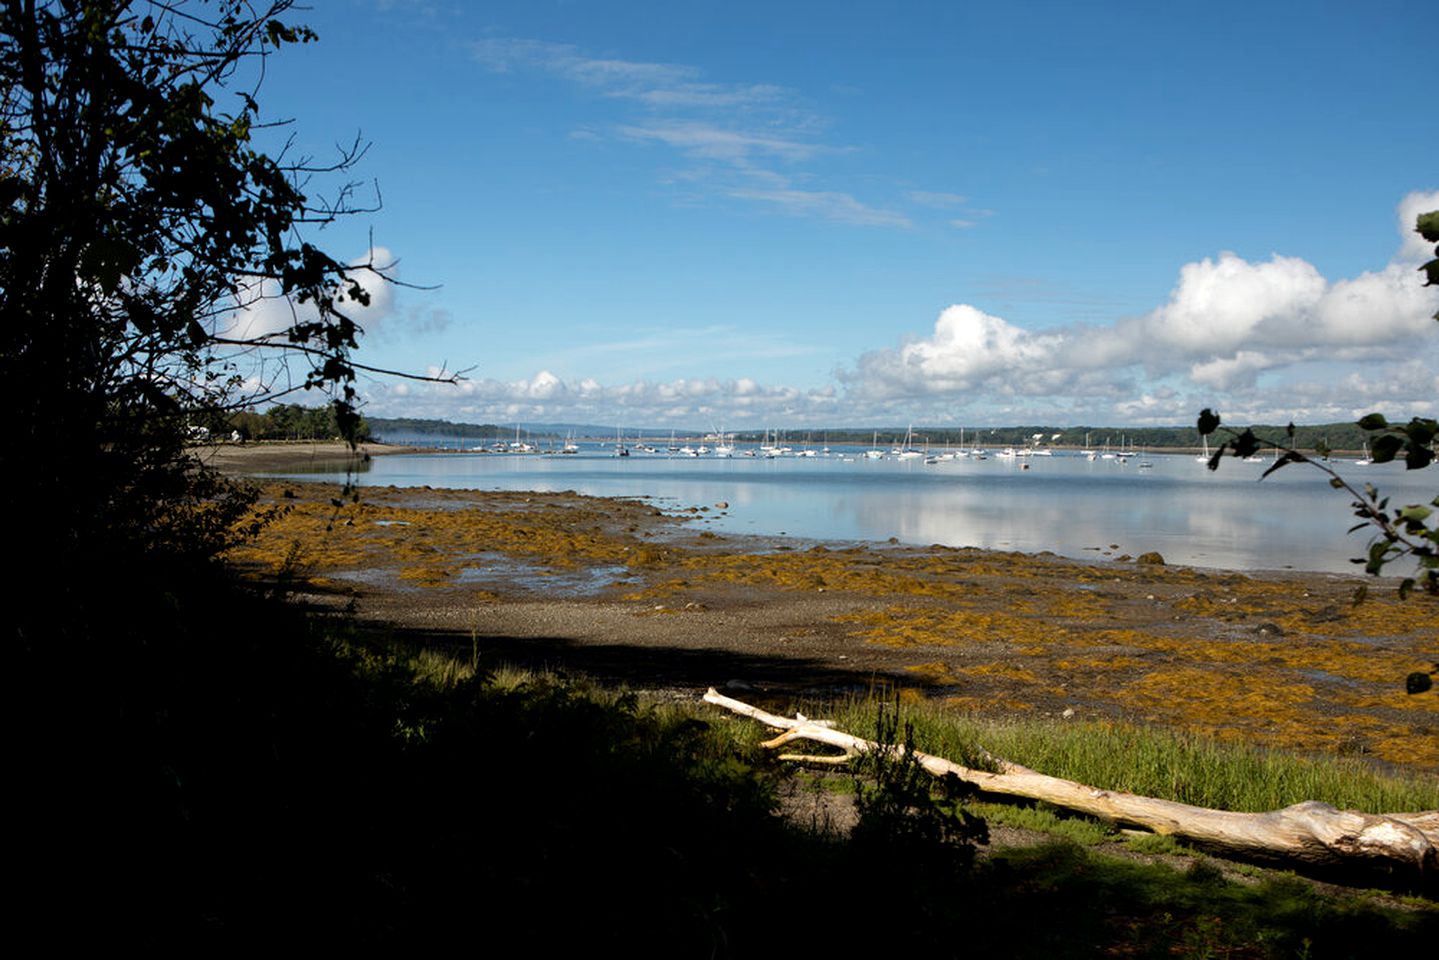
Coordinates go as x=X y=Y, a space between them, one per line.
x=1065 y=503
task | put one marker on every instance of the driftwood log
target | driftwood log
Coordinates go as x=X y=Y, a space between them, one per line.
x=1310 y=834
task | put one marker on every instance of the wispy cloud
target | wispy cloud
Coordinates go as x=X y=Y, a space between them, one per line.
x=711 y=142
x=751 y=138
x=659 y=85
x=928 y=198
x=840 y=207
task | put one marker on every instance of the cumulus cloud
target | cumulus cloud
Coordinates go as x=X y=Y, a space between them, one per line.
x=1415 y=250
x=262 y=312
x=1263 y=340
x=1228 y=321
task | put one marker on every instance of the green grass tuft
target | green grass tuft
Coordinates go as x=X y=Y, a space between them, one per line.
x=1154 y=762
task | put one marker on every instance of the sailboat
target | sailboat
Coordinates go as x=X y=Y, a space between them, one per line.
x=1365 y=460
x=1204 y=457
x=907 y=451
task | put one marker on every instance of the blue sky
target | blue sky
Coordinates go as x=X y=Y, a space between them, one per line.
x=751 y=214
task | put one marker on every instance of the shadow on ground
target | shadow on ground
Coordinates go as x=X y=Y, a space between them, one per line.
x=645 y=667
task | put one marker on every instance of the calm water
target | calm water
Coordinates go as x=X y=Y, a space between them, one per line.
x=1066 y=504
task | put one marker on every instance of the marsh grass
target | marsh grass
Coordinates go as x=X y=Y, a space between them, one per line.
x=1154 y=762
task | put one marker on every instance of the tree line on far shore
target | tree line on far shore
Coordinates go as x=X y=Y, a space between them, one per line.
x=1334 y=436
x=285 y=421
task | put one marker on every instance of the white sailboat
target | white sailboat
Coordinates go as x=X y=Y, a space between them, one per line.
x=906 y=451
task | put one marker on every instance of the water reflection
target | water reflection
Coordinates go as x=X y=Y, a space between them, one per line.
x=1068 y=505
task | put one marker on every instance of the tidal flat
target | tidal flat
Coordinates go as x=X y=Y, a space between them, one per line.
x=624 y=591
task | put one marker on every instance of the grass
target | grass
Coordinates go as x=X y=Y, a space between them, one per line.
x=1154 y=762
x=1038 y=817
x=282 y=777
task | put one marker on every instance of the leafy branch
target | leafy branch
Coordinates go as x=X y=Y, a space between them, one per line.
x=1407 y=531
x=1398 y=532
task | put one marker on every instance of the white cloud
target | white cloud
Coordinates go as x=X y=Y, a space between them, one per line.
x=735 y=131
x=687 y=401
x=658 y=85
x=1220 y=305
x=1225 y=373
x=1415 y=249
x=1269 y=340
x=1227 y=323
x=262 y=312
x=710 y=142
x=828 y=205
x=930 y=198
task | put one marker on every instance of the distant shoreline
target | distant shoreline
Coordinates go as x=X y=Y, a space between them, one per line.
x=299 y=456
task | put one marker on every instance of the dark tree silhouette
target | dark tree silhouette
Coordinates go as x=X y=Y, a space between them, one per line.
x=138 y=220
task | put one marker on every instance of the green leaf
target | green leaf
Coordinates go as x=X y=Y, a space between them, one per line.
x=1421 y=431
x=1415 y=512
x=1375 y=564
x=1417 y=682
x=1208 y=422
x=1427 y=226
x=1246 y=444
x=1386 y=448
x=1374 y=421
x=1289 y=457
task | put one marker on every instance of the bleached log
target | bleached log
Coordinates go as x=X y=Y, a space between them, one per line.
x=1309 y=833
